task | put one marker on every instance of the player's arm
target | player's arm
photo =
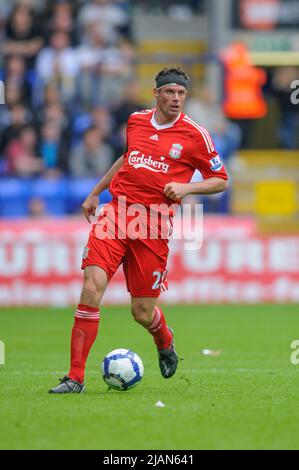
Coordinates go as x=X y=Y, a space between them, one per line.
x=204 y=158
x=91 y=203
x=211 y=185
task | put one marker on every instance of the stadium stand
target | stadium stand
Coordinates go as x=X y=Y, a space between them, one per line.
x=14 y=197
x=58 y=196
x=67 y=67
x=103 y=60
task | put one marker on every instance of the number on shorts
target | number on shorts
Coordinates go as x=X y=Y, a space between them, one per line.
x=159 y=279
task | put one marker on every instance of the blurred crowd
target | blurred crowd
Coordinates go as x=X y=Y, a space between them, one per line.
x=68 y=69
x=70 y=86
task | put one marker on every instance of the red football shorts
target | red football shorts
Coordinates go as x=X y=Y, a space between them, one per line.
x=144 y=259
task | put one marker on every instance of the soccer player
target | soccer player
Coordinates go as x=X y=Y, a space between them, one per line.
x=164 y=148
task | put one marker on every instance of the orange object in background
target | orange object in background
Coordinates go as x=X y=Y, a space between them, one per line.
x=243 y=84
x=259 y=14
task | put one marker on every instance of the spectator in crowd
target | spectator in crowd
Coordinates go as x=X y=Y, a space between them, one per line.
x=52 y=149
x=91 y=158
x=129 y=104
x=56 y=114
x=104 y=69
x=23 y=37
x=18 y=116
x=36 y=208
x=57 y=64
x=22 y=157
x=90 y=56
x=116 y=71
x=99 y=117
x=13 y=96
x=16 y=76
x=45 y=95
x=106 y=13
x=62 y=20
x=39 y=95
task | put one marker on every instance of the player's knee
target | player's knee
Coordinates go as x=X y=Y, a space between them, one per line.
x=90 y=284
x=93 y=280
x=92 y=289
x=90 y=296
x=142 y=313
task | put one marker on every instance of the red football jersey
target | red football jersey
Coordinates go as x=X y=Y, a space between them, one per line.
x=161 y=154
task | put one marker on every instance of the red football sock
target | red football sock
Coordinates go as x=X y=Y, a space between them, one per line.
x=159 y=330
x=84 y=333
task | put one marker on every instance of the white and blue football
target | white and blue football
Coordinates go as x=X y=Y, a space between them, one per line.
x=122 y=369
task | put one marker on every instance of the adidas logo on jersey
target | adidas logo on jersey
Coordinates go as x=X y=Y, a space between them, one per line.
x=154 y=137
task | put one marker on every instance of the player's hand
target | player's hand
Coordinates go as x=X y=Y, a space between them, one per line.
x=176 y=191
x=90 y=205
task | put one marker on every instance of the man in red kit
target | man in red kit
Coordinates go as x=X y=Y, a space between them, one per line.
x=164 y=148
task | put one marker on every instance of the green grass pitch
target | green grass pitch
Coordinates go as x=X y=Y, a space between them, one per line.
x=246 y=398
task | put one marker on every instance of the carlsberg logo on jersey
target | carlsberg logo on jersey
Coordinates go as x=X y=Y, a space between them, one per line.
x=139 y=160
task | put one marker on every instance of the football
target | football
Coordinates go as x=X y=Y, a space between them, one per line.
x=122 y=369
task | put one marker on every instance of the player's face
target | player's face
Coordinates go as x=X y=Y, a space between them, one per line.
x=170 y=100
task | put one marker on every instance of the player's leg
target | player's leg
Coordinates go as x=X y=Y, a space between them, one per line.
x=146 y=313
x=145 y=272
x=151 y=317
x=86 y=322
x=101 y=259
x=143 y=310
x=85 y=329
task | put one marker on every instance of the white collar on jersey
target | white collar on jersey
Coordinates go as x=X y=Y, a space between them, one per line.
x=163 y=126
